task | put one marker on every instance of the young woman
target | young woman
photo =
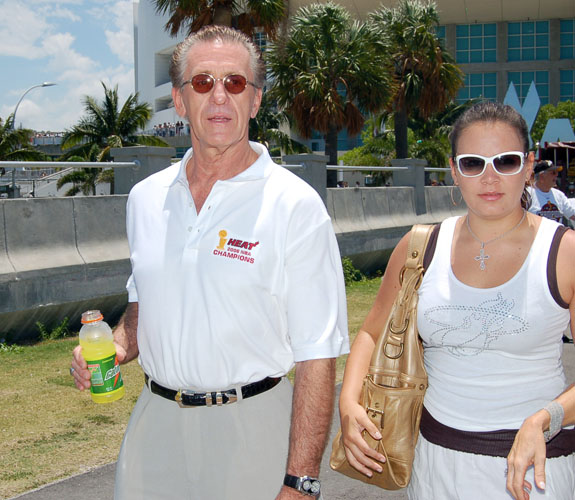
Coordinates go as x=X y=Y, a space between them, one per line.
x=498 y=292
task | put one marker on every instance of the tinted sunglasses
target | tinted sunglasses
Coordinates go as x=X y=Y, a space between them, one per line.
x=204 y=82
x=509 y=163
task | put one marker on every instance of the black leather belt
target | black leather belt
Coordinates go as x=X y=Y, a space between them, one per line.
x=187 y=398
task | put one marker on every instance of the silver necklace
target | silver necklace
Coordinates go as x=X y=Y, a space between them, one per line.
x=482 y=257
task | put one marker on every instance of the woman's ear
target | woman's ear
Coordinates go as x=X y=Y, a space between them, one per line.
x=529 y=162
x=454 y=173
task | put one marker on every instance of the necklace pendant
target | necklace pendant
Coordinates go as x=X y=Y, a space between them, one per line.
x=481 y=258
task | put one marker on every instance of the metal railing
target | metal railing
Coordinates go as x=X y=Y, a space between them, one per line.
x=348 y=168
x=59 y=164
x=66 y=167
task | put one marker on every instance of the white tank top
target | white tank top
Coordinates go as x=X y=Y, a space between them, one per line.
x=493 y=356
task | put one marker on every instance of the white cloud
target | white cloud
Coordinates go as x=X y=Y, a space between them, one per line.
x=121 y=44
x=62 y=57
x=38 y=24
x=120 y=40
x=52 y=29
x=15 y=41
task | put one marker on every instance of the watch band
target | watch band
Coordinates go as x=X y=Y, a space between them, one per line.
x=304 y=484
x=557 y=414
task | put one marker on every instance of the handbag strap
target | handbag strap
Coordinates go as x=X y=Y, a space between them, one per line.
x=391 y=341
x=411 y=274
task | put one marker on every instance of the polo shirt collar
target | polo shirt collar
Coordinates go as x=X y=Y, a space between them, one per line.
x=257 y=170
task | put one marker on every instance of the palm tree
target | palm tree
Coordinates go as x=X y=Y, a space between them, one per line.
x=15 y=144
x=107 y=126
x=265 y=128
x=425 y=74
x=191 y=15
x=328 y=72
x=84 y=180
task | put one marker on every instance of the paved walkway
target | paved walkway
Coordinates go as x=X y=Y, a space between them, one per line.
x=98 y=484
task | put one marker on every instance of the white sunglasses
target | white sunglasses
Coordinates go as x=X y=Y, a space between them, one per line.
x=508 y=163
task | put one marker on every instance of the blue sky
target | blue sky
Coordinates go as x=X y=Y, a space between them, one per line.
x=73 y=43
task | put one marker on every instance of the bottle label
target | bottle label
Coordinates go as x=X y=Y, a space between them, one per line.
x=106 y=376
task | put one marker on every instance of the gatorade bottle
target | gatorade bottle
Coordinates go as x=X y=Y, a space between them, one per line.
x=100 y=353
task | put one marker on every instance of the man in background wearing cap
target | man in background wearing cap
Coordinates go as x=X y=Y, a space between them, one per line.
x=546 y=200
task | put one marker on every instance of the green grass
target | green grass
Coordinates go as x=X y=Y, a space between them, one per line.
x=49 y=430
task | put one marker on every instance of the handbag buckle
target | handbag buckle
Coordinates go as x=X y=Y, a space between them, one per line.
x=393 y=356
x=376 y=411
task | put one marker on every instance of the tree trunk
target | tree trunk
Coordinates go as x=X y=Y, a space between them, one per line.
x=222 y=16
x=331 y=151
x=400 y=119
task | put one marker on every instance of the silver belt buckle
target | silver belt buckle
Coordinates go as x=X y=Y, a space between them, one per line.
x=178 y=398
x=219 y=399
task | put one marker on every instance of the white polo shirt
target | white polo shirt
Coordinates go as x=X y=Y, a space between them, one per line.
x=240 y=291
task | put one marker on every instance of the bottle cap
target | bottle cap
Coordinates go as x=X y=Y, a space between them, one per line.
x=92 y=316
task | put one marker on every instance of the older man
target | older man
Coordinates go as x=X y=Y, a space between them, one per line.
x=236 y=276
x=546 y=200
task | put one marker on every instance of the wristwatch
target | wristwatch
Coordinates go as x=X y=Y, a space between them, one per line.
x=304 y=484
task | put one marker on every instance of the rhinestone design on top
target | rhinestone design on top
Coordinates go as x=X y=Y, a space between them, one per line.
x=476 y=327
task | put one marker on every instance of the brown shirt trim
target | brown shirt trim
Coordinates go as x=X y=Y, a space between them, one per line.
x=552 y=267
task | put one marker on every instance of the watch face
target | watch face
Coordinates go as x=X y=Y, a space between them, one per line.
x=314 y=487
x=311 y=486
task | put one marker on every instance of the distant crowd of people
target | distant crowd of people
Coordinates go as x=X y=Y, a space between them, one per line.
x=171 y=129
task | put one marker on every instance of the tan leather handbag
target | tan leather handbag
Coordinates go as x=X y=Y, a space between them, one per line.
x=394 y=387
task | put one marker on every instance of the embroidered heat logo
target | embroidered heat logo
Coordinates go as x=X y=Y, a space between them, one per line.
x=233 y=248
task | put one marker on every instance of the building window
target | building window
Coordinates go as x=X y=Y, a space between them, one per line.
x=479 y=85
x=260 y=40
x=476 y=43
x=522 y=81
x=528 y=41
x=567 y=85
x=440 y=33
x=567 y=39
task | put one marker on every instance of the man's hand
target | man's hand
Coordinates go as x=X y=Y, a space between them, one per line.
x=125 y=340
x=79 y=367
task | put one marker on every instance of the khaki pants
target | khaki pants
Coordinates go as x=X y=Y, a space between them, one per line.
x=234 y=451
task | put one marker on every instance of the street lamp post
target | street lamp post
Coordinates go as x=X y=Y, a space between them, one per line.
x=45 y=84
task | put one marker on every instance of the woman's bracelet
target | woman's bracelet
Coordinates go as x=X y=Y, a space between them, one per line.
x=556 y=423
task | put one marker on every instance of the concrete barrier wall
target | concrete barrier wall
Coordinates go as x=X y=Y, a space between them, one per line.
x=369 y=222
x=61 y=256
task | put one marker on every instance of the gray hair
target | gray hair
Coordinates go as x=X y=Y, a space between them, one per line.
x=212 y=33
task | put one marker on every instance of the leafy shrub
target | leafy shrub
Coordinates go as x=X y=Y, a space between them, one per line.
x=350 y=272
x=6 y=348
x=59 y=332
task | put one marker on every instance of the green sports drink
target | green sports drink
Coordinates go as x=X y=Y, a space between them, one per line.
x=99 y=352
